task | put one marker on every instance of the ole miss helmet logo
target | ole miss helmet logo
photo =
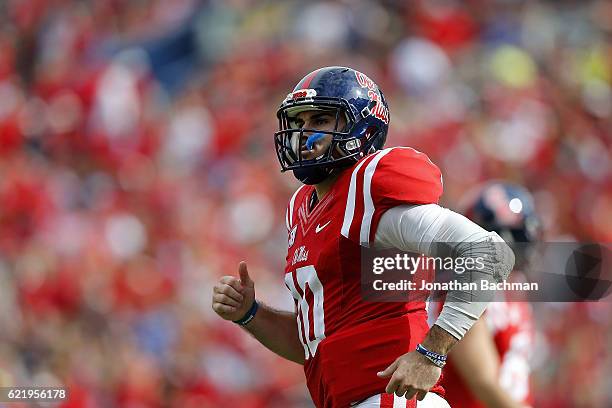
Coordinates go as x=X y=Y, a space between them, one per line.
x=379 y=111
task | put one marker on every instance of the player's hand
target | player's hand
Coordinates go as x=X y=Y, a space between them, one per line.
x=233 y=297
x=411 y=374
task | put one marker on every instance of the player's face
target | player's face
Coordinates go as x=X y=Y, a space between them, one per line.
x=317 y=120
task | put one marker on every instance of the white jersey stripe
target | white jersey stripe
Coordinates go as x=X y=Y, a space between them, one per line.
x=349 y=211
x=297 y=297
x=289 y=217
x=372 y=402
x=368 y=213
x=399 y=402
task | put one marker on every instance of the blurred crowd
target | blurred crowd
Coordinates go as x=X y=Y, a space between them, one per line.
x=137 y=166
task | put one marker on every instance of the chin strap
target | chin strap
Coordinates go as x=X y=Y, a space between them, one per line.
x=312 y=175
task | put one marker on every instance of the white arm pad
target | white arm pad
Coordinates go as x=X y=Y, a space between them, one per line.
x=421 y=228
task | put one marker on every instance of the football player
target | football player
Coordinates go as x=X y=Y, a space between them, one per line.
x=490 y=366
x=355 y=193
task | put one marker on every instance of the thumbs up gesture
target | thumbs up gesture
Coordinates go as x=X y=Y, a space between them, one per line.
x=233 y=297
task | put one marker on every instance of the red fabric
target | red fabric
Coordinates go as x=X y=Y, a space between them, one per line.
x=386 y=400
x=399 y=176
x=341 y=332
x=362 y=351
x=404 y=176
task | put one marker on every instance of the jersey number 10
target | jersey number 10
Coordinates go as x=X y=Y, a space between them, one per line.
x=308 y=283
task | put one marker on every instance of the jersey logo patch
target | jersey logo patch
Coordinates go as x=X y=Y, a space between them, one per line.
x=320 y=227
x=300 y=255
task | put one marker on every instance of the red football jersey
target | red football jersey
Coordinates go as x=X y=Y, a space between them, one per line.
x=511 y=324
x=348 y=340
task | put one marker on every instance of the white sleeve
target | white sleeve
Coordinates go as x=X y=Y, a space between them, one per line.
x=422 y=228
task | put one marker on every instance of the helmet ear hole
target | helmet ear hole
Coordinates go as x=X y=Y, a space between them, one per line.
x=370 y=131
x=369 y=136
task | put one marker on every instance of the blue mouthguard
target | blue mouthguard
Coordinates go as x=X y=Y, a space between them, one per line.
x=312 y=139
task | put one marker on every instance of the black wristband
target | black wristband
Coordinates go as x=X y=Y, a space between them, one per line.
x=249 y=315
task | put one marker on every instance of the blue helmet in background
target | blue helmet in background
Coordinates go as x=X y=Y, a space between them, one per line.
x=508 y=209
x=348 y=94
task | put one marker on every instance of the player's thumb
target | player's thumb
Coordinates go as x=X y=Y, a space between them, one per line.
x=245 y=279
x=388 y=372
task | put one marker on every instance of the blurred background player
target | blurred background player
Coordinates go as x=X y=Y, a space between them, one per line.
x=490 y=367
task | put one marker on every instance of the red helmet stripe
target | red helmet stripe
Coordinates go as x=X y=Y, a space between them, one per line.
x=307 y=80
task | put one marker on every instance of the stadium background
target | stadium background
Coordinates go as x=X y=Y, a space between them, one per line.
x=138 y=166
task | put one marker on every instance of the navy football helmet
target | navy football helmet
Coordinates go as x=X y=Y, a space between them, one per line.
x=346 y=93
x=507 y=209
